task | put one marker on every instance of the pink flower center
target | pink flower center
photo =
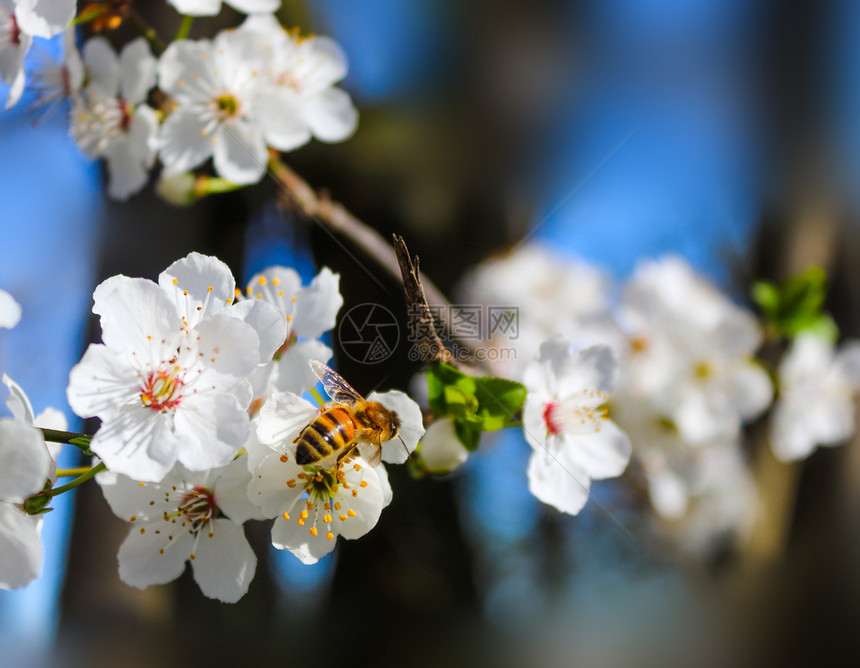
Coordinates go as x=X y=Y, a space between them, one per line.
x=198 y=505
x=162 y=391
x=125 y=115
x=14 y=31
x=552 y=427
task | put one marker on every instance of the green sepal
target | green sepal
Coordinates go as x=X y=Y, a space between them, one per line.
x=795 y=306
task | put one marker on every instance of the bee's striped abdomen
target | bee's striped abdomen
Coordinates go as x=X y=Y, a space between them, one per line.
x=328 y=433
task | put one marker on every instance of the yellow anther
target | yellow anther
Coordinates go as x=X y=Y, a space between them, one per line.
x=132 y=518
x=276 y=281
x=330 y=535
x=357 y=467
x=291 y=483
x=327 y=518
x=210 y=534
x=303 y=514
x=142 y=530
x=192 y=556
x=363 y=483
x=327 y=505
x=337 y=505
x=287 y=516
x=160 y=550
x=343 y=518
x=185 y=292
x=355 y=492
x=301 y=522
x=175 y=281
x=262 y=280
x=284 y=458
x=140 y=483
x=313 y=531
x=351 y=512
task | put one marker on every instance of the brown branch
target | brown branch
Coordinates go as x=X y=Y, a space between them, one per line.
x=336 y=218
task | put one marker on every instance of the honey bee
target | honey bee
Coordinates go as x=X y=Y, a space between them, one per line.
x=352 y=423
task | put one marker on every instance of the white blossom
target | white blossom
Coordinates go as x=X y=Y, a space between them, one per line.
x=212 y=7
x=163 y=390
x=202 y=286
x=545 y=295
x=109 y=117
x=308 y=312
x=565 y=422
x=312 y=506
x=691 y=351
x=57 y=80
x=188 y=516
x=218 y=88
x=817 y=386
x=303 y=72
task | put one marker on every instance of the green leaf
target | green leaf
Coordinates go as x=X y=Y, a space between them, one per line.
x=795 y=306
x=499 y=396
x=451 y=392
x=468 y=432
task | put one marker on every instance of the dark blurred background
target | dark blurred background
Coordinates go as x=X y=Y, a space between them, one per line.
x=610 y=130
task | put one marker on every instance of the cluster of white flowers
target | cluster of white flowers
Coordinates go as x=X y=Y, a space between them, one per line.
x=679 y=356
x=198 y=430
x=231 y=99
x=197 y=386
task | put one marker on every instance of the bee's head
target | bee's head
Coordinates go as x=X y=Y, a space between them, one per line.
x=385 y=421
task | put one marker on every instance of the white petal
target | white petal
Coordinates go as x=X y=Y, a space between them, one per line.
x=229 y=347
x=184 y=62
x=197 y=7
x=211 y=433
x=231 y=492
x=183 y=143
x=441 y=450
x=288 y=535
x=18 y=402
x=294 y=372
x=564 y=488
x=224 y=562
x=137 y=443
x=703 y=416
x=129 y=498
x=135 y=315
x=384 y=485
x=51 y=418
x=268 y=487
x=137 y=71
x=44 y=18
x=240 y=152
x=281 y=119
x=282 y=417
x=10 y=310
x=411 y=425
x=101 y=383
x=367 y=504
x=669 y=494
x=151 y=558
x=200 y=285
x=790 y=437
x=317 y=305
x=750 y=390
x=25 y=462
x=330 y=115
x=102 y=64
x=603 y=454
x=847 y=362
x=255 y=6
x=126 y=166
x=20 y=547
x=267 y=320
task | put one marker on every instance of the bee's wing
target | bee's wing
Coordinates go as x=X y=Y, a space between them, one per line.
x=335 y=386
x=370 y=452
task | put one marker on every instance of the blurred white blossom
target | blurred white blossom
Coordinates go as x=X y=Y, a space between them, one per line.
x=110 y=119
x=817 y=387
x=10 y=310
x=212 y=7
